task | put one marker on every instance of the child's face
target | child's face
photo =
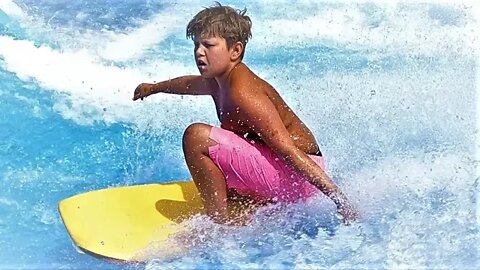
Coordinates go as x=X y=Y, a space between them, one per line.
x=211 y=56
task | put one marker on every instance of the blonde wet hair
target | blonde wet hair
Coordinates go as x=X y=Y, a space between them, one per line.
x=221 y=21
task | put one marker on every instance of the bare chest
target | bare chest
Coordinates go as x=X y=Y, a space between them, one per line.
x=230 y=116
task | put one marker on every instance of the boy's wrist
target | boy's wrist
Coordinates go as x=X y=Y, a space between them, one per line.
x=164 y=86
x=154 y=88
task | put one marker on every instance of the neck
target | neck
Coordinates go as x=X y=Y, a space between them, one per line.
x=224 y=79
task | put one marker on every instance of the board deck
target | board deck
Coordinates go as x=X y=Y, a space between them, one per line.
x=119 y=222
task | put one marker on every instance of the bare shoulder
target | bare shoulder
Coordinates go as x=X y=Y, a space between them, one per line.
x=245 y=83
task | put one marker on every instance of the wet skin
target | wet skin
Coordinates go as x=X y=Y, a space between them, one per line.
x=231 y=117
x=248 y=106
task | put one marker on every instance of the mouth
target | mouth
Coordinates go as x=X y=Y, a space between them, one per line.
x=201 y=63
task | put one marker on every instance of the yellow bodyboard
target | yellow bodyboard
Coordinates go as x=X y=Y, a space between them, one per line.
x=119 y=222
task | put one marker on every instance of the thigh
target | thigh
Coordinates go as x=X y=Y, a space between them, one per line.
x=196 y=139
x=254 y=170
x=248 y=166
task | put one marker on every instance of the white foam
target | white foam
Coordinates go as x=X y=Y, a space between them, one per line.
x=92 y=90
x=131 y=45
x=7 y=202
x=400 y=218
x=11 y=9
x=477 y=156
x=389 y=28
x=88 y=83
x=396 y=178
x=371 y=106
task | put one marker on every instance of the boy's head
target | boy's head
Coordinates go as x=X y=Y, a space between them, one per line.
x=221 y=21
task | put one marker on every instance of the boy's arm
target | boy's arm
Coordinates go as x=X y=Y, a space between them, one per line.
x=185 y=85
x=256 y=111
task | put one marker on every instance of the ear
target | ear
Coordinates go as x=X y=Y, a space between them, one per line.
x=236 y=51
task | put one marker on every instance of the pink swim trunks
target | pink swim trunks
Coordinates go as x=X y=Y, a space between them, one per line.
x=254 y=170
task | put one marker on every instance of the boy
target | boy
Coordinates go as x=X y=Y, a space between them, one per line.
x=262 y=150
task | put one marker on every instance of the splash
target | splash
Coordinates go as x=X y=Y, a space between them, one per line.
x=96 y=70
x=388 y=89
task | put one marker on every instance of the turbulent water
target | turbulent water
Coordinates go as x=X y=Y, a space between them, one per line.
x=389 y=90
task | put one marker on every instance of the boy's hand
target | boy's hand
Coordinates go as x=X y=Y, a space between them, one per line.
x=142 y=91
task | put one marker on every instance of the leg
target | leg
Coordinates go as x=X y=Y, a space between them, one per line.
x=207 y=176
x=242 y=207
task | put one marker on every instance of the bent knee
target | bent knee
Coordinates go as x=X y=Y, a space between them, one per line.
x=196 y=133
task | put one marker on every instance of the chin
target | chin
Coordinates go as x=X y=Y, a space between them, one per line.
x=206 y=75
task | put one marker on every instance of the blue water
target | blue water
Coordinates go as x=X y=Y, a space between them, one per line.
x=389 y=91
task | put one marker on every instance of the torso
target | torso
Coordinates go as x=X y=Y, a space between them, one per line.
x=227 y=114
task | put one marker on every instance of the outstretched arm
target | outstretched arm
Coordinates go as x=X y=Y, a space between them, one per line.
x=185 y=85
x=259 y=113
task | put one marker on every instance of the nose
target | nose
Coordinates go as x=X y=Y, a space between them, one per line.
x=199 y=50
